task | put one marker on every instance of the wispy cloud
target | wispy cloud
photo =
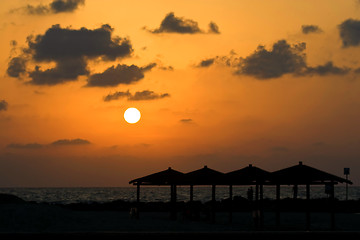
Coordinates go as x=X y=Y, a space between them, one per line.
x=60 y=142
x=77 y=141
x=137 y=96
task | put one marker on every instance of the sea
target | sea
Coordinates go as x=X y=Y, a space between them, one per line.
x=162 y=193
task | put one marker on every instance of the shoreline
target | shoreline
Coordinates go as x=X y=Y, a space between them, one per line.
x=21 y=217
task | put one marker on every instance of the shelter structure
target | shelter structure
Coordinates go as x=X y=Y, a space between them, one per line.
x=250 y=175
x=167 y=177
x=296 y=175
x=304 y=175
x=205 y=176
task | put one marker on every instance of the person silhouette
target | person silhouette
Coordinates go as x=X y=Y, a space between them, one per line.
x=295 y=191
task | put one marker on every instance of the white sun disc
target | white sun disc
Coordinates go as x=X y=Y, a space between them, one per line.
x=132 y=115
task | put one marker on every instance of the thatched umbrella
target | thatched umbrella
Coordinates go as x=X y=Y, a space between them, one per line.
x=250 y=175
x=167 y=177
x=205 y=176
x=304 y=175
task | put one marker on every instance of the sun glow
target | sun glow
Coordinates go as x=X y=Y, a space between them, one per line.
x=132 y=115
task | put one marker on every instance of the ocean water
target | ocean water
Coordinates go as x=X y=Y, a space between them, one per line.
x=162 y=194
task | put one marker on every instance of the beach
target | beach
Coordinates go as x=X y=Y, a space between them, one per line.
x=114 y=219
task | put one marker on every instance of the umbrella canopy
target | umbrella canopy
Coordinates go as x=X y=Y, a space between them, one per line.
x=205 y=176
x=302 y=174
x=248 y=175
x=166 y=177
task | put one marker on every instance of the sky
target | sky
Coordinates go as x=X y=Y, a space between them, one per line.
x=220 y=83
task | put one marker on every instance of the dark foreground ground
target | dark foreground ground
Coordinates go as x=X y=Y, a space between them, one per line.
x=193 y=235
x=113 y=220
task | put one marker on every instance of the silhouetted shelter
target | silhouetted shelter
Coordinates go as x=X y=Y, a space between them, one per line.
x=250 y=175
x=167 y=177
x=304 y=175
x=301 y=175
x=296 y=175
x=204 y=176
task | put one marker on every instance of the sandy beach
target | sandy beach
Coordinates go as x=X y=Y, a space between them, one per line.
x=45 y=220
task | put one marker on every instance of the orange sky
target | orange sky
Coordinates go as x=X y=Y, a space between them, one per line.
x=208 y=97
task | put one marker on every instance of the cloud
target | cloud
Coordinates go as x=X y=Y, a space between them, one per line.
x=350 y=33
x=186 y=120
x=213 y=28
x=357 y=70
x=16 y=67
x=70 y=49
x=64 y=142
x=282 y=59
x=147 y=95
x=63 y=43
x=265 y=64
x=116 y=96
x=25 y=146
x=306 y=29
x=138 y=96
x=166 y=68
x=173 y=24
x=3 y=105
x=56 y=6
x=61 y=142
x=64 y=71
x=206 y=62
x=326 y=69
x=121 y=74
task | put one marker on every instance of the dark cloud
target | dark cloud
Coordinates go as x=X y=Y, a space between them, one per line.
x=207 y=62
x=213 y=28
x=306 y=29
x=357 y=70
x=121 y=74
x=63 y=72
x=282 y=59
x=63 y=43
x=70 y=49
x=56 y=6
x=76 y=141
x=326 y=69
x=16 y=67
x=116 y=95
x=138 y=96
x=147 y=95
x=3 y=105
x=350 y=32
x=168 y=68
x=173 y=24
x=25 y=146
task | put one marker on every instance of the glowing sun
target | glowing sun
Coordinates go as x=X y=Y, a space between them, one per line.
x=132 y=115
